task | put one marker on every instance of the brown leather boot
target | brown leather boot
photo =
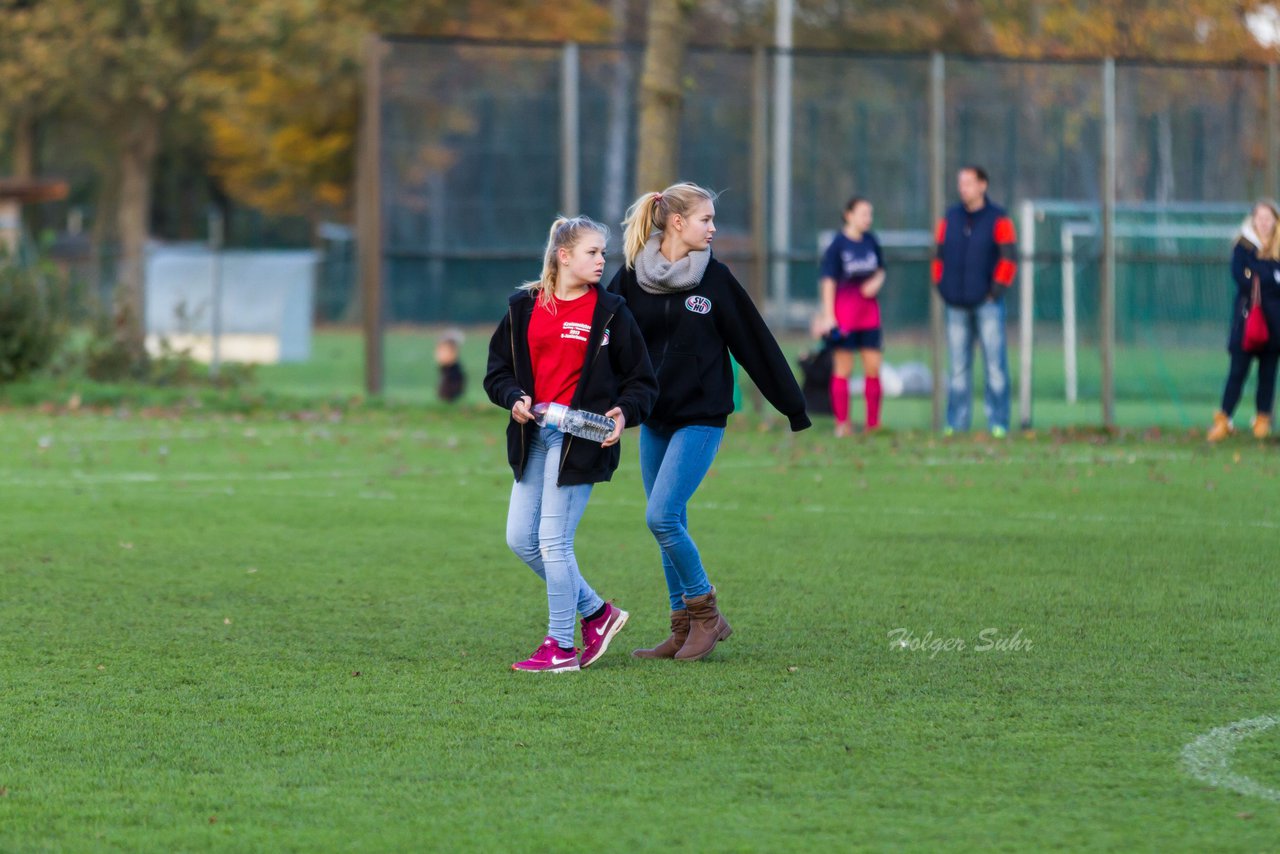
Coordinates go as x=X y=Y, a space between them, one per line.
x=1262 y=426
x=706 y=627
x=1221 y=428
x=669 y=647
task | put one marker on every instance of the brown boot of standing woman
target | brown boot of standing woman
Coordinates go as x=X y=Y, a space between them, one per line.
x=706 y=627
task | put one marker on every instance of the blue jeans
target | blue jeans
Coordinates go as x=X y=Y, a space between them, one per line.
x=541 y=523
x=672 y=466
x=984 y=322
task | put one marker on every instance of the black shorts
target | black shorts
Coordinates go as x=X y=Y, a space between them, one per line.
x=858 y=339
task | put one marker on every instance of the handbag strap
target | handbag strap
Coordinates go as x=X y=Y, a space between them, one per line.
x=1257 y=289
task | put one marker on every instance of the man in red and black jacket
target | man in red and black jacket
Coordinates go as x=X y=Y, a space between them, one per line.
x=974 y=265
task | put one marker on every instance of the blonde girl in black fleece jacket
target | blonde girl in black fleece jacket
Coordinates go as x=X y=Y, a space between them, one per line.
x=693 y=315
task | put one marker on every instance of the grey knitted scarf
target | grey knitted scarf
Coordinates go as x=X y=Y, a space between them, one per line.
x=657 y=275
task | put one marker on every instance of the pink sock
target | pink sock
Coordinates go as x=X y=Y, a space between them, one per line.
x=840 y=398
x=873 y=402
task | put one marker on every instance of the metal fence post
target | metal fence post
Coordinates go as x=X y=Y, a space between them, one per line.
x=217 y=238
x=1273 y=130
x=781 y=209
x=759 y=188
x=569 y=131
x=1107 y=297
x=369 y=214
x=1026 y=310
x=937 y=204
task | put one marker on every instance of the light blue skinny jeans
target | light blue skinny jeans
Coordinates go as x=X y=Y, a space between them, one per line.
x=672 y=466
x=541 y=522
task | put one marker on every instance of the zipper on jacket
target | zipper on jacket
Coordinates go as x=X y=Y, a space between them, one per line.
x=511 y=317
x=666 y=325
x=564 y=454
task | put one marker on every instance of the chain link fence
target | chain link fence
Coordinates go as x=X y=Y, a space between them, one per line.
x=480 y=145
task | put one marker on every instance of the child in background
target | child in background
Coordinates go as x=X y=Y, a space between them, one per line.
x=453 y=382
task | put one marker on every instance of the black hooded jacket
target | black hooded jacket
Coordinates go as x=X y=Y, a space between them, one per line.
x=690 y=335
x=617 y=372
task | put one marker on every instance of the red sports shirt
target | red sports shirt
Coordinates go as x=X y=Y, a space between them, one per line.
x=558 y=334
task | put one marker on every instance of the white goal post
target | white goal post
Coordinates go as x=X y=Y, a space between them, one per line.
x=1072 y=221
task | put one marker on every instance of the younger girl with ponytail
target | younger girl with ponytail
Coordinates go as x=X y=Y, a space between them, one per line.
x=693 y=315
x=566 y=340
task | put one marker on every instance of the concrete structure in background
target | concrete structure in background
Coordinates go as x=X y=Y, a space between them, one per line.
x=267 y=299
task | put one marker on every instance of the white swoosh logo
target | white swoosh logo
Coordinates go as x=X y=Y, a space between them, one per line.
x=555 y=660
x=600 y=631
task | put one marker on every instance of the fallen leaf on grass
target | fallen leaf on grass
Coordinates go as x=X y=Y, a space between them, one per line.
x=355 y=672
x=126 y=545
x=1244 y=815
x=226 y=621
x=792 y=669
x=213 y=819
x=102 y=667
x=4 y=792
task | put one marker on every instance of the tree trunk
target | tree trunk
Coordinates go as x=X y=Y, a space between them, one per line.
x=138 y=146
x=24 y=164
x=615 y=155
x=24 y=146
x=660 y=94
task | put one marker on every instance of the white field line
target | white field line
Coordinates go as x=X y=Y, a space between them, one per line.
x=59 y=440
x=1208 y=758
x=75 y=478
x=1125 y=458
x=606 y=496
x=260 y=432
x=1016 y=515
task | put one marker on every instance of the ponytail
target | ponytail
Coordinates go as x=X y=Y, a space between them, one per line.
x=651 y=212
x=565 y=234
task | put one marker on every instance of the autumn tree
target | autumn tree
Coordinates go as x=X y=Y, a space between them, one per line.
x=34 y=84
x=120 y=66
x=283 y=131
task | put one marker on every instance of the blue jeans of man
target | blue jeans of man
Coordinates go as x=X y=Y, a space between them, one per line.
x=541 y=522
x=672 y=466
x=984 y=323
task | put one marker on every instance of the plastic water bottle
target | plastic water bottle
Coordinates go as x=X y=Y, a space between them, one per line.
x=586 y=425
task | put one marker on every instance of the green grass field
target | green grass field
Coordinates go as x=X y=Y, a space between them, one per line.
x=281 y=633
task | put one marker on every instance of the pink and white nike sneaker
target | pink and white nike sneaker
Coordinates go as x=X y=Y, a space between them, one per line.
x=597 y=633
x=549 y=658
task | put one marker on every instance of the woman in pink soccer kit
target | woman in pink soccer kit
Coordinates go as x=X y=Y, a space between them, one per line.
x=566 y=340
x=852 y=273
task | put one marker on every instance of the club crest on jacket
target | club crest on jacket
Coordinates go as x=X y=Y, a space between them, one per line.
x=698 y=305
